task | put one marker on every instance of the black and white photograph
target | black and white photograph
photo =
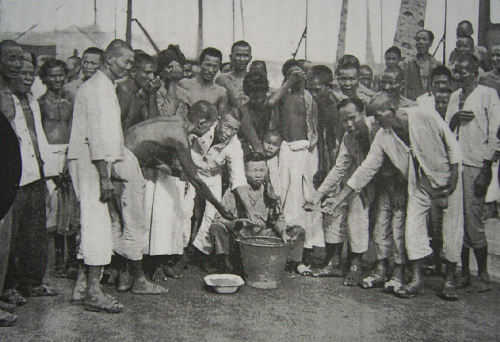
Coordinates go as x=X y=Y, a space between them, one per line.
x=249 y=170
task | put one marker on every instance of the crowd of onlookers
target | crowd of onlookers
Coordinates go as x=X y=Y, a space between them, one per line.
x=125 y=155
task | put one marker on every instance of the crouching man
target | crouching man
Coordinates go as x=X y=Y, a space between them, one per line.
x=262 y=220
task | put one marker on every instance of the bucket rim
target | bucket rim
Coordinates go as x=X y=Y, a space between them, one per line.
x=279 y=242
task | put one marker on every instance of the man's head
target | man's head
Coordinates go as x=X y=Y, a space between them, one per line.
x=440 y=79
x=366 y=75
x=441 y=99
x=170 y=64
x=347 y=73
x=143 y=71
x=258 y=66
x=255 y=169
x=465 y=29
x=392 y=82
x=201 y=116
x=91 y=61
x=53 y=74
x=271 y=143
x=255 y=86
x=495 y=56
x=74 y=65
x=465 y=45
x=188 y=69
x=383 y=108
x=392 y=57
x=210 y=60
x=11 y=59
x=241 y=55
x=229 y=124
x=351 y=114
x=118 y=59
x=226 y=68
x=465 y=70
x=319 y=80
x=290 y=66
x=22 y=84
x=423 y=40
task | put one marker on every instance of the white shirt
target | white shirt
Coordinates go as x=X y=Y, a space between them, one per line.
x=30 y=168
x=477 y=138
x=432 y=144
x=97 y=121
x=210 y=159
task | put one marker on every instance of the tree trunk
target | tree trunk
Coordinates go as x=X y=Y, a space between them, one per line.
x=411 y=19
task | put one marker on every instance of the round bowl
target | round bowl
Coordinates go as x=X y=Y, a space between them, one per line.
x=224 y=283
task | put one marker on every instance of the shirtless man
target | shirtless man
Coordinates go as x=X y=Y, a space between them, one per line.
x=241 y=55
x=296 y=119
x=203 y=87
x=347 y=73
x=492 y=78
x=366 y=76
x=56 y=112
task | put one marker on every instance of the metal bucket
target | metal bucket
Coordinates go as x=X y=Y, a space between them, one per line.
x=264 y=260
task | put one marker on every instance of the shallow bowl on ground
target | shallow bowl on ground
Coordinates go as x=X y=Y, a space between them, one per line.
x=224 y=283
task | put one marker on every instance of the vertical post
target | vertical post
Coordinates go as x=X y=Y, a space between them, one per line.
x=128 y=32
x=200 y=26
x=234 y=19
x=305 y=37
x=444 y=33
x=381 y=31
x=95 y=12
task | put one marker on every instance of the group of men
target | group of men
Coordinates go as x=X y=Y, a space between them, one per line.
x=135 y=157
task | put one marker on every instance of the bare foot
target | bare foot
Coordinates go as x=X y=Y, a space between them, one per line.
x=159 y=275
x=143 y=286
x=100 y=302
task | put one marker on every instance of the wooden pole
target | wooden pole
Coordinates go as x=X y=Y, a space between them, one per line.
x=305 y=38
x=128 y=32
x=200 y=26
x=95 y=12
x=342 y=30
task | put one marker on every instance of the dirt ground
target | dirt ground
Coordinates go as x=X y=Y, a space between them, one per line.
x=302 y=309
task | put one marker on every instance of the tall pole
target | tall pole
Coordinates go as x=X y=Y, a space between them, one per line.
x=444 y=34
x=381 y=31
x=200 y=26
x=234 y=19
x=128 y=32
x=305 y=38
x=95 y=12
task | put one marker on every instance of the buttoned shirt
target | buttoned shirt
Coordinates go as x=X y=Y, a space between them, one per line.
x=211 y=157
x=433 y=145
x=477 y=138
x=97 y=121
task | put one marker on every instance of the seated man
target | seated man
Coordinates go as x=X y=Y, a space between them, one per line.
x=261 y=220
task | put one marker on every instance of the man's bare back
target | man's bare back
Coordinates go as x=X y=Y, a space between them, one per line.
x=292 y=117
x=56 y=115
x=197 y=90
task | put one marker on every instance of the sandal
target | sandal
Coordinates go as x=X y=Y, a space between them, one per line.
x=354 y=276
x=393 y=285
x=7 y=319
x=42 y=290
x=304 y=270
x=448 y=292
x=105 y=303
x=12 y=296
x=407 y=291
x=373 y=281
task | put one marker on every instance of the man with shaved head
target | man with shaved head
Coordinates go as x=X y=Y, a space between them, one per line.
x=101 y=166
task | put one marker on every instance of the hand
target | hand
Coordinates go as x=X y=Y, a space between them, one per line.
x=107 y=189
x=482 y=182
x=226 y=214
x=329 y=205
x=154 y=85
x=465 y=115
x=310 y=206
x=296 y=76
x=285 y=237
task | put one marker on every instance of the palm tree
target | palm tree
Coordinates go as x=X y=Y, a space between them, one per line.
x=411 y=19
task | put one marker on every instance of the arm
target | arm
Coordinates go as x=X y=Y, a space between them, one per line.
x=190 y=169
x=275 y=97
x=234 y=160
x=223 y=101
x=336 y=174
x=248 y=130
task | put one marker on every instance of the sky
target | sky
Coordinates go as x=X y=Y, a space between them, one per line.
x=272 y=27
